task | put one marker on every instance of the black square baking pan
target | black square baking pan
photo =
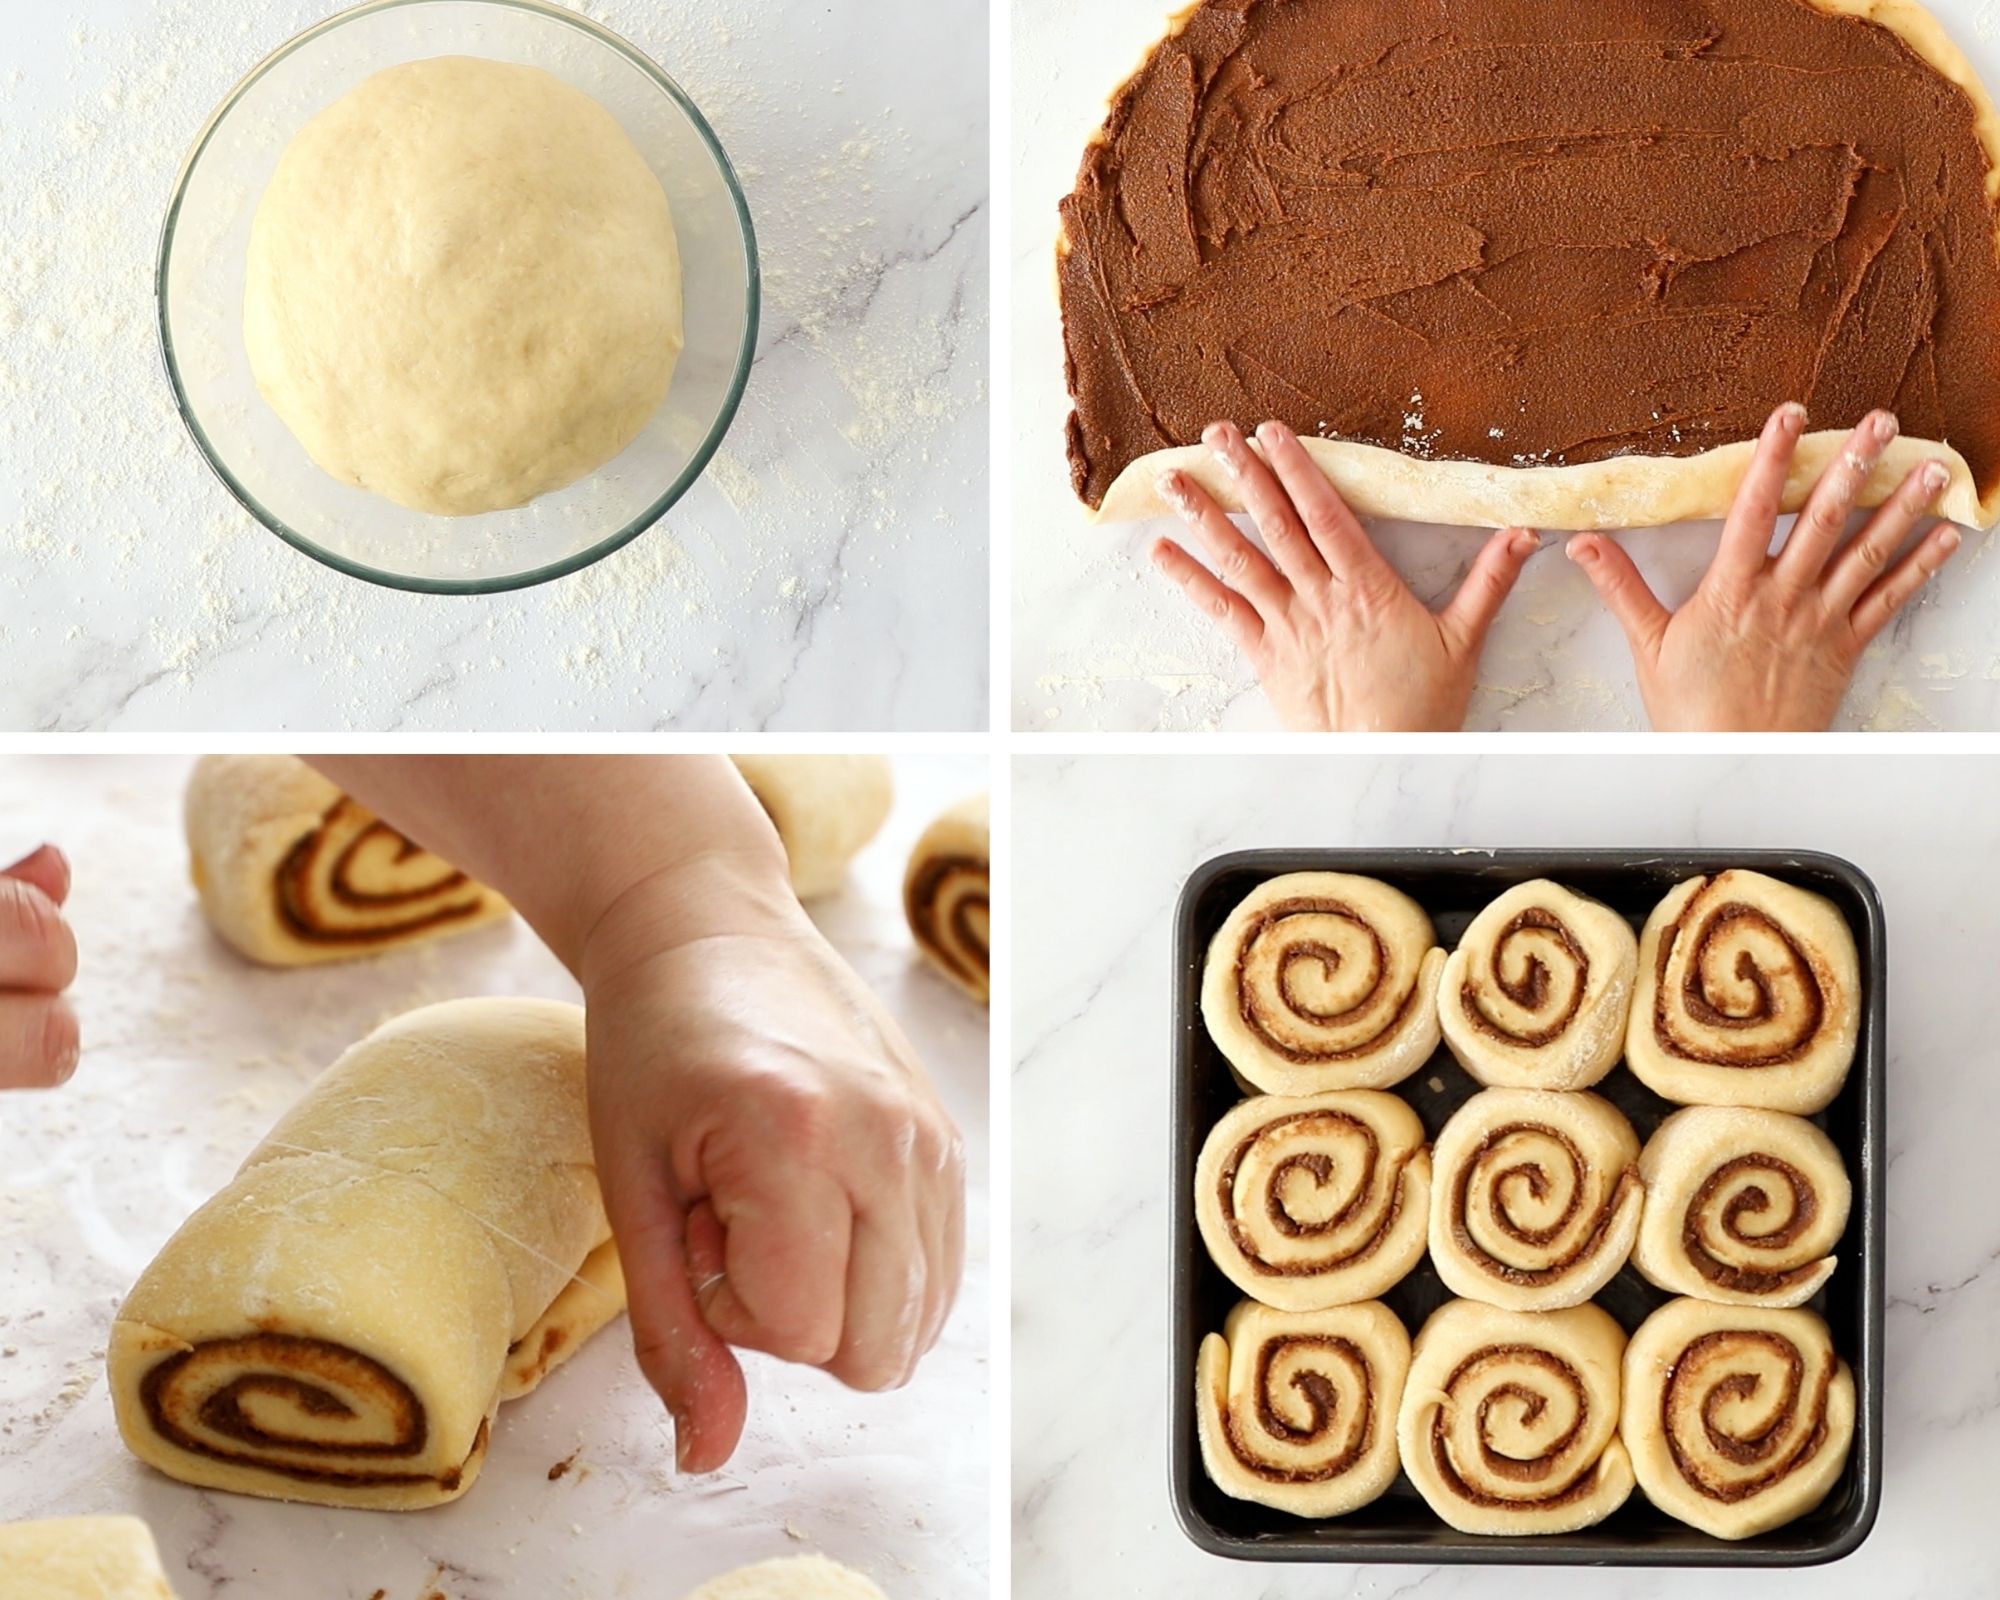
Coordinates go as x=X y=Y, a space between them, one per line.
x=1453 y=885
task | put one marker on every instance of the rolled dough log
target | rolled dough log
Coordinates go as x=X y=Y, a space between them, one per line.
x=81 y=1558
x=292 y=872
x=796 y=1578
x=401 y=1253
x=947 y=890
x=825 y=809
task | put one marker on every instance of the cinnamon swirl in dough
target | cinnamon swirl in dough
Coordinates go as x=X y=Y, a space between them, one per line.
x=1738 y=1418
x=1749 y=994
x=1742 y=1206
x=292 y=872
x=1535 y=1198
x=946 y=896
x=1323 y=980
x=419 y=1238
x=825 y=809
x=81 y=1558
x=1312 y=1202
x=1538 y=990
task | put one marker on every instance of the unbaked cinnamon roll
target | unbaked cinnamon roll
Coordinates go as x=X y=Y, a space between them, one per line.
x=1749 y=994
x=1322 y=980
x=1509 y=1422
x=1742 y=1206
x=1738 y=1418
x=1297 y=1409
x=947 y=892
x=1537 y=993
x=293 y=872
x=81 y=1558
x=1311 y=1202
x=1535 y=1198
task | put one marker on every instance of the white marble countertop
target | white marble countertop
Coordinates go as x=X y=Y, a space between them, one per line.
x=1102 y=848
x=191 y=1053
x=829 y=571
x=1101 y=641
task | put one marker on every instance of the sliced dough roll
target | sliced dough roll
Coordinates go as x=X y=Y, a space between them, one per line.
x=81 y=1558
x=1537 y=993
x=401 y=1253
x=790 y=1578
x=825 y=809
x=1322 y=980
x=1742 y=1206
x=1535 y=1198
x=946 y=896
x=1317 y=1201
x=1297 y=1409
x=1739 y=1418
x=1749 y=994
x=1509 y=1422
x=292 y=872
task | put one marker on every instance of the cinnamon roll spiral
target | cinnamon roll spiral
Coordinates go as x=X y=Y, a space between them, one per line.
x=1537 y=993
x=1310 y=1202
x=1297 y=1409
x=1749 y=994
x=1535 y=1198
x=947 y=892
x=1322 y=980
x=1739 y=1418
x=1742 y=1206
x=1509 y=1421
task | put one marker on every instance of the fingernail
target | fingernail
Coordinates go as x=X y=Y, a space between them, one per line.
x=1936 y=476
x=1169 y=485
x=1215 y=435
x=680 y=1439
x=1792 y=416
x=1884 y=426
x=1948 y=541
x=66 y=1062
x=1581 y=551
x=1267 y=431
x=1527 y=542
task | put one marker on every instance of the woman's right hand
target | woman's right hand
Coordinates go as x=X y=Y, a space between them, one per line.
x=38 y=1036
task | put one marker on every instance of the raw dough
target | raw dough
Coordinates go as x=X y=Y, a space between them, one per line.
x=291 y=871
x=946 y=894
x=1311 y=1202
x=463 y=289
x=1739 y=1418
x=825 y=809
x=1297 y=1409
x=1749 y=994
x=1535 y=1198
x=1742 y=1206
x=1323 y=980
x=81 y=1558
x=398 y=1255
x=798 y=1578
x=1538 y=990
x=1510 y=1418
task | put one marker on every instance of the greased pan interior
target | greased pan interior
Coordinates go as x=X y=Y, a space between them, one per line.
x=1453 y=885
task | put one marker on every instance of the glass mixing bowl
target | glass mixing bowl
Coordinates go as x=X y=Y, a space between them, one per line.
x=200 y=286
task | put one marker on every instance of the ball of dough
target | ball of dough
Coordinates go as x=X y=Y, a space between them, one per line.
x=464 y=288
x=799 y=1578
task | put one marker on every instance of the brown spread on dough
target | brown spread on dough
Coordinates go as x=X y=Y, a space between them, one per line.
x=960 y=946
x=1529 y=233
x=345 y=830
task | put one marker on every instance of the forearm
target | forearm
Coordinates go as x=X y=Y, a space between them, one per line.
x=568 y=839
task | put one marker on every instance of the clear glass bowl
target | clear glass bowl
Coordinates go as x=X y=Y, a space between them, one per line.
x=200 y=287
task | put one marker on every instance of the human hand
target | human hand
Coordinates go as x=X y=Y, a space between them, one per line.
x=38 y=1035
x=1337 y=638
x=777 y=1170
x=1768 y=643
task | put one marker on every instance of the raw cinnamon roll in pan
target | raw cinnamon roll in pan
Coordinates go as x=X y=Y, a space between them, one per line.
x=1742 y=1206
x=1739 y=1418
x=1323 y=980
x=1317 y=1201
x=947 y=893
x=1297 y=1409
x=1749 y=994
x=1535 y=1198
x=419 y=1238
x=1509 y=1422
x=292 y=872
x=1537 y=993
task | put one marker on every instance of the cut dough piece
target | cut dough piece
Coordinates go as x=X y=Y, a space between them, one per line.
x=795 y=1578
x=463 y=288
x=1323 y=980
x=946 y=894
x=292 y=872
x=400 y=1253
x=81 y=1558
x=1537 y=993
x=825 y=809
